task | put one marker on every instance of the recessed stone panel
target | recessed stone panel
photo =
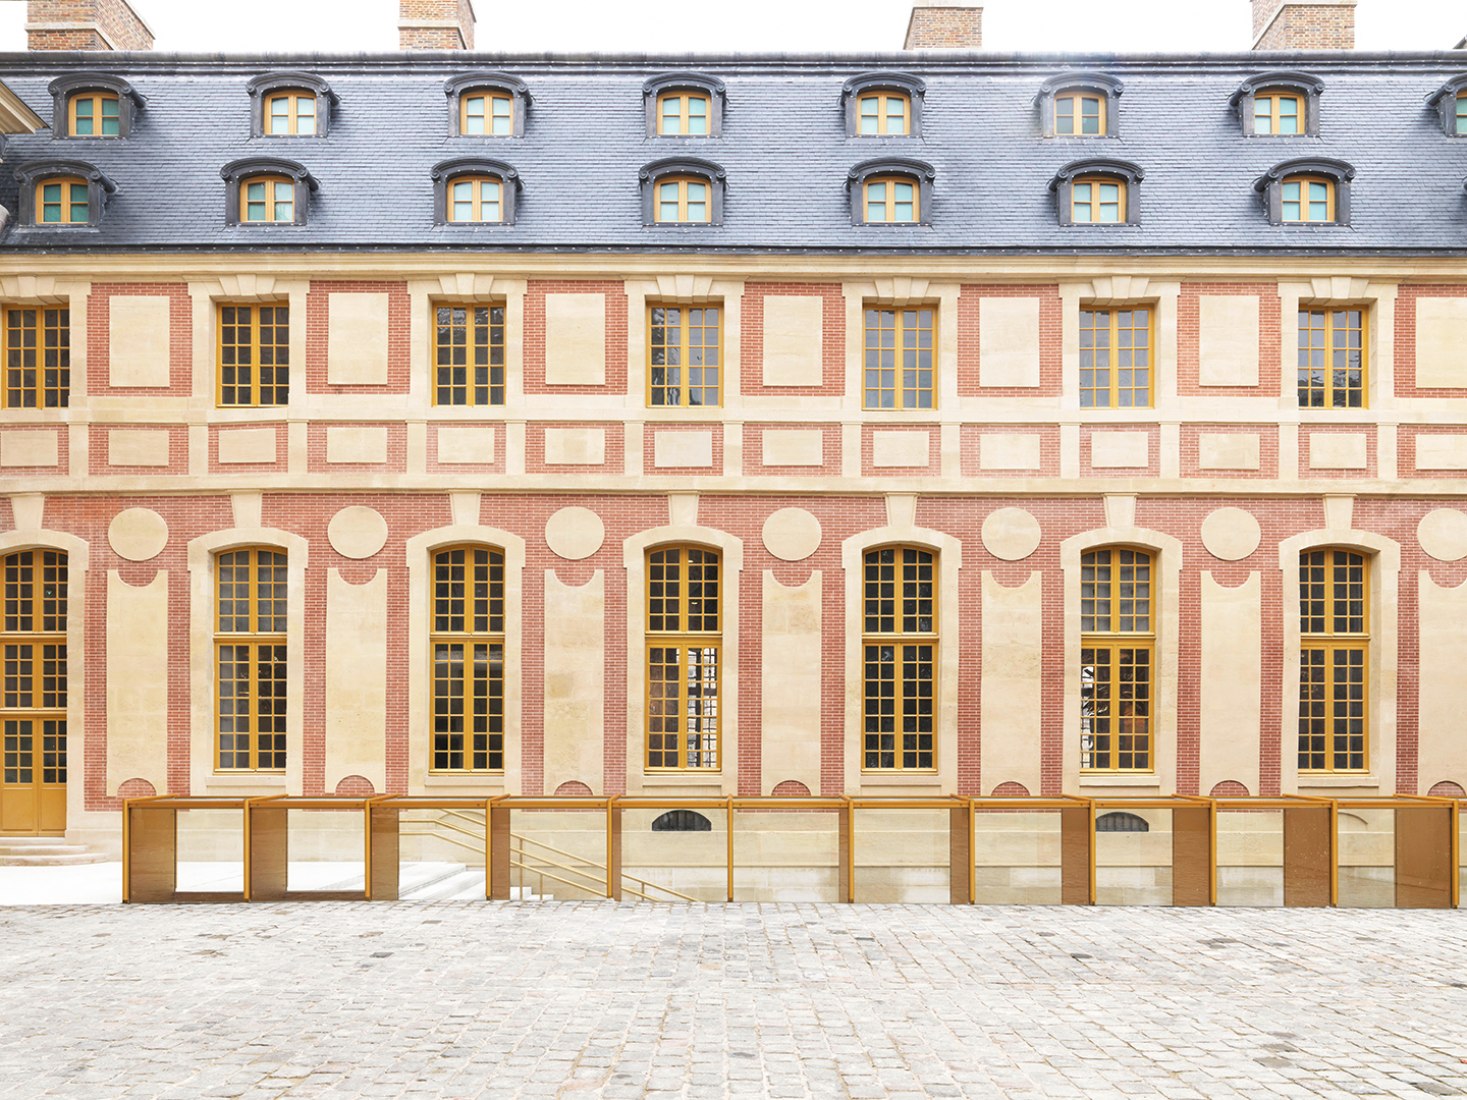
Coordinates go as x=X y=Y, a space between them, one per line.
x=791 y=534
x=793 y=333
x=575 y=339
x=1228 y=451
x=357 y=531
x=1441 y=452
x=1010 y=451
x=575 y=446
x=241 y=446
x=1339 y=451
x=890 y=450
x=1120 y=450
x=1230 y=534
x=1008 y=342
x=138 y=447
x=574 y=533
x=792 y=447
x=357 y=335
x=137 y=341
x=365 y=446
x=137 y=534
x=1441 y=334
x=465 y=446
x=1011 y=534
x=29 y=448
x=1227 y=340
x=682 y=448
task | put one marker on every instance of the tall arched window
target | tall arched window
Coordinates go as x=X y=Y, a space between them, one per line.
x=249 y=645
x=468 y=659
x=684 y=658
x=1334 y=661
x=899 y=646
x=1117 y=656
x=33 y=703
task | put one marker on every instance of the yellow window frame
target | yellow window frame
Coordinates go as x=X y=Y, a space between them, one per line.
x=98 y=101
x=684 y=116
x=883 y=99
x=1331 y=563
x=476 y=342
x=475 y=576
x=906 y=326
x=1275 y=98
x=1305 y=214
x=693 y=326
x=477 y=201
x=254 y=641
x=490 y=98
x=31 y=337
x=67 y=202
x=906 y=638
x=683 y=183
x=36 y=664
x=273 y=201
x=293 y=98
x=258 y=392
x=701 y=649
x=1077 y=98
x=889 y=200
x=1461 y=116
x=1326 y=337
x=1095 y=204
x=1109 y=320
x=1129 y=641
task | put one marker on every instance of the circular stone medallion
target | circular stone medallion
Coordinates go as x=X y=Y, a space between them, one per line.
x=138 y=534
x=1230 y=534
x=574 y=533
x=1442 y=533
x=792 y=534
x=357 y=532
x=1011 y=534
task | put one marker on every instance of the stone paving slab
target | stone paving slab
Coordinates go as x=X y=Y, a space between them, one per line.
x=456 y=999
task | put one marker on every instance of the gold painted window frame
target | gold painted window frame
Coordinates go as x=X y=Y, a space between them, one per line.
x=489 y=96
x=98 y=100
x=293 y=97
x=907 y=337
x=883 y=98
x=1275 y=98
x=1331 y=344
x=1122 y=647
x=906 y=647
x=68 y=203
x=684 y=114
x=1331 y=643
x=254 y=642
x=469 y=638
x=479 y=203
x=1113 y=329
x=36 y=664
x=1096 y=204
x=1077 y=98
x=495 y=391
x=708 y=644
x=683 y=182
x=49 y=330
x=257 y=385
x=683 y=347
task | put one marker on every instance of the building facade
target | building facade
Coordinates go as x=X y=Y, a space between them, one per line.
x=934 y=422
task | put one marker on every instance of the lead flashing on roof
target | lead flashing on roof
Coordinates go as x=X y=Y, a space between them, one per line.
x=1270 y=186
x=129 y=102
x=492 y=80
x=711 y=86
x=259 y=90
x=34 y=172
x=1308 y=86
x=445 y=171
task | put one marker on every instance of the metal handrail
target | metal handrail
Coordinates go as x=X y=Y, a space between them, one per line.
x=600 y=867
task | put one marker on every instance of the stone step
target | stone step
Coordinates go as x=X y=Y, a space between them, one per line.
x=70 y=858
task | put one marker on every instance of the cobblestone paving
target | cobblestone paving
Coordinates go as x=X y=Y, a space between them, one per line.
x=583 y=1000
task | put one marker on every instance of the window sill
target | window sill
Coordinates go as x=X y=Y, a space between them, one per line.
x=1340 y=781
x=1122 y=779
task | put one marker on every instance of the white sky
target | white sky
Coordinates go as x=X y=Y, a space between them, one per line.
x=334 y=26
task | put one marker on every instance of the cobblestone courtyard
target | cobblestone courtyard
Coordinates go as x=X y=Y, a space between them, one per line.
x=563 y=999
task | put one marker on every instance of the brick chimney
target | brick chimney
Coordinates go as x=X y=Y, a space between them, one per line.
x=944 y=25
x=435 y=24
x=1303 y=24
x=86 y=25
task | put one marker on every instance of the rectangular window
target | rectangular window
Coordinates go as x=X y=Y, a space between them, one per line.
x=1117 y=660
x=1115 y=358
x=684 y=650
x=900 y=358
x=37 y=357
x=468 y=355
x=899 y=647
x=1332 y=358
x=254 y=355
x=468 y=659
x=250 y=650
x=1334 y=661
x=685 y=362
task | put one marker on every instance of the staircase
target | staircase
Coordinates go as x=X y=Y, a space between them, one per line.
x=45 y=851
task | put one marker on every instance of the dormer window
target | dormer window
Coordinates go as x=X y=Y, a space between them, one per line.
x=1097 y=199
x=1279 y=104
x=1079 y=105
x=93 y=105
x=1460 y=129
x=63 y=200
x=680 y=105
x=883 y=105
x=1307 y=192
x=1098 y=192
x=1451 y=101
x=290 y=104
x=486 y=105
x=892 y=199
x=264 y=191
x=473 y=191
x=682 y=192
x=62 y=194
x=891 y=191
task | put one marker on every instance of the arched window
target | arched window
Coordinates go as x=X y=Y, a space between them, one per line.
x=470 y=191
x=1460 y=116
x=682 y=821
x=1334 y=661
x=266 y=191
x=1079 y=112
x=467 y=641
x=685 y=191
x=684 y=646
x=250 y=658
x=1079 y=105
x=891 y=191
x=1098 y=192
x=63 y=200
x=1118 y=822
x=683 y=199
x=1279 y=104
x=290 y=112
x=1117 y=657
x=290 y=104
x=267 y=199
x=486 y=112
x=899 y=646
x=33 y=703
x=1307 y=192
x=1278 y=112
x=883 y=112
x=93 y=105
x=475 y=198
x=684 y=112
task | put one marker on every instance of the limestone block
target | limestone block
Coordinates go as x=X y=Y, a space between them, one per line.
x=357 y=531
x=790 y=683
x=356 y=679
x=1119 y=450
x=137 y=682
x=1441 y=452
x=365 y=445
x=1227 y=340
x=793 y=447
x=137 y=447
x=1442 y=533
x=575 y=446
x=1010 y=451
x=791 y=534
x=575 y=339
x=1011 y=682
x=1228 y=451
x=137 y=340
x=356 y=340
x=575 y=681
x=895 y=449
x=1008 y=342
x=682 y=449
x=1441 y=334
x=574 y=533
x=246 y=445
x=793 y=336
x=1232 y=679
x=1338 y=451
x=1010 y=534
x=29 y=448
x=465 y=446
x=1230 y=534
x=138 y=534
x=1443 y=749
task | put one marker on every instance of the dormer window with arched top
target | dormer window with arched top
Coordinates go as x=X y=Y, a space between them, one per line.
x=266 y=191
x=684 y=105
x=682 y=192
x=1307 y=192
x=486 y=105
x=62 y=194
x=474 y=191
x=1450 y=103
x=93 y=105
x=1079 y=105
x=891 y=191
x=290 y=104
x=883 y=105
x=1279 y=104
x=1098 y=192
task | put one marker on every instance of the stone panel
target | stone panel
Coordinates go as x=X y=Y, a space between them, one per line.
x=1227 y=340
x=790 y=683
x=137 y=682
x=137 y=447
x=465 y=446
x=1012 y=683
x=1008 y=342
x=1119 y=450
x=1441 y=334
x=1443 y=749
x=1010 y=451
x=575 y=681
x=1339 y=451
x=240 y=446
x=575 y=339
x=899 y=449
x=793 y=334
x=357 y=340
x=356 y=679
x=138 y=341
x=1229 y=451
x=1437 y=451
x=1232 y=682
x=575 y=446
x=137 y=534
x=682 y=448
x=360 y=445
x=801 y=447
x=29 y=448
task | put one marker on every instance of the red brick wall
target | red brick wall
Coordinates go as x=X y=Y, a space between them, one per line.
x=616 y=334
x=754 y=451
x=832 y=337
x=1406 y=298
x=1270 y=339
x=399 y=327
x=1050 y=335
x=99 y=345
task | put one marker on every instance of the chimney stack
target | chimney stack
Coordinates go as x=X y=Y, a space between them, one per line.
x=1303 y=24
x=435 y=24
x=944 y=25
x=86 y=25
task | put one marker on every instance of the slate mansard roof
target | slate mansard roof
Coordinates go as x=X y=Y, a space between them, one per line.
x=783 y=147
